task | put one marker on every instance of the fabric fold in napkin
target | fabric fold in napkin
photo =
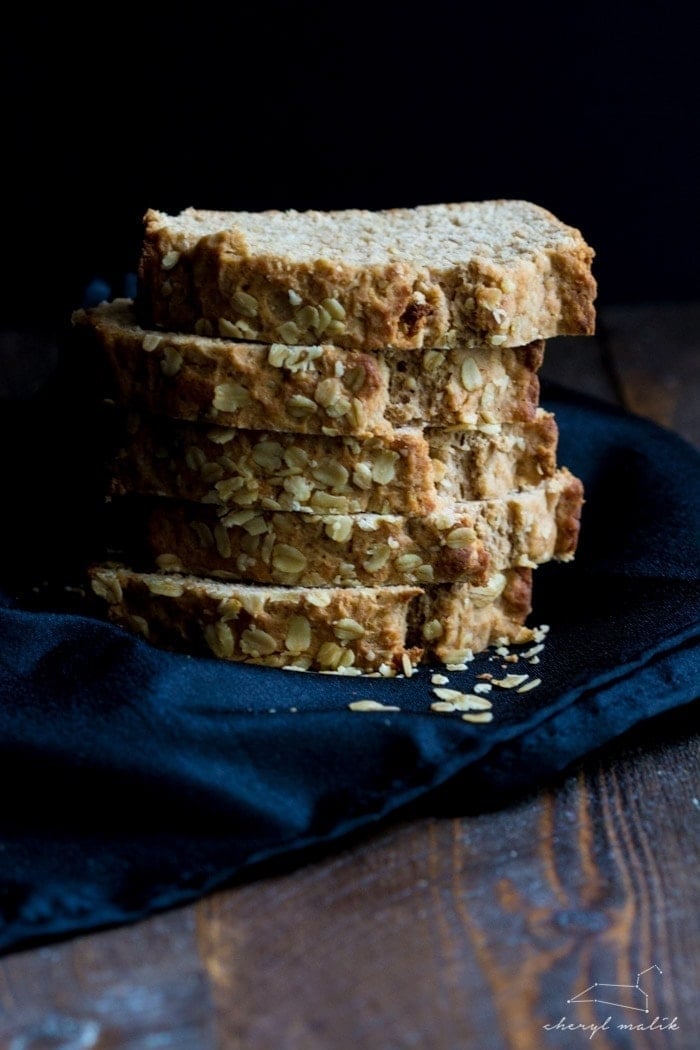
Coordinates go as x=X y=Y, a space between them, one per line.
x=136 y=779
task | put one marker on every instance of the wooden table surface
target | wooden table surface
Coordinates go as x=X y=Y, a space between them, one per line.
x=464 y=933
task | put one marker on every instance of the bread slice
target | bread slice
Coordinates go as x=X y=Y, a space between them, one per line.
x=408 y=471
x=307 y=390
x=361 y=629
x=460 y=542
x=497 y=272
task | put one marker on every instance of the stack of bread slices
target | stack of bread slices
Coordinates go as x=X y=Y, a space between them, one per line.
x=334 y=451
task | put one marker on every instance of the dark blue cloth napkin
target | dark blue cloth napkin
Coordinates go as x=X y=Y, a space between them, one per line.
x=134 y=779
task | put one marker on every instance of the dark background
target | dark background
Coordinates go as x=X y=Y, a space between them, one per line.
x=588 y=109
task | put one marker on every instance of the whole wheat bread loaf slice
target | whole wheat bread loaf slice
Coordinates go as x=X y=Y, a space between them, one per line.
x=497 y=272
x=460 y=542
x=407 y=471
x=376 y=629
x=307 y=390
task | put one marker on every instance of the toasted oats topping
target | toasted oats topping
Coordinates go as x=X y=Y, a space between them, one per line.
x=320 y=599
x=330 y=655
x=256 y=642
x=384 y=467
x=432 y=360
x=330 y=473
x=348 y=630
x=245 y=304
x=307 y=317
x=168 y=588
x=461 y=537
x=203 y=533
x=151 y=341
x=109 y=588
x=229 y=608
x=286 y=558
x=172 y=361
x=299 y=407
x=334 y=308
x=168 y=563
x=378 y=557
x=219 y=638
x=328 y=503
x=328 y=392
x=137 y=623
x=223 y=541
x=298 y=634
x=289 y=333
x=339 y=528
x=470 y=375
x=169 y=260
x=228 y=397
x=432 y=630
x=408 y=562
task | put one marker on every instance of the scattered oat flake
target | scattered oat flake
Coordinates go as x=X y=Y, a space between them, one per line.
x=503 y=651
x=485 y=676
x=533 y=651
x=511 y=658
x=478 y=716
x=534 y=660
x=471 y=702
x=443 y=706
x=532 y=684
x=483 y=687
x=406 y=665
x=510 y=681
x=448 y=694
x=439 y=679
x=370 y=705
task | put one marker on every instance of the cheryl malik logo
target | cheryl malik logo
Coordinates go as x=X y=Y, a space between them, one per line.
x=628 y=997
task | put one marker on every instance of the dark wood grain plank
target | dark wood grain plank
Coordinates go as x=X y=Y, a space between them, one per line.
x=130 y=988
x=474 y=932
x=655 y=354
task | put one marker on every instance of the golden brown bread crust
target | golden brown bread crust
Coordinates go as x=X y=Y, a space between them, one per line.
x=519 y=275
x=307 y=390
x=360 y=629
x=460 y=542
x=406 y=471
